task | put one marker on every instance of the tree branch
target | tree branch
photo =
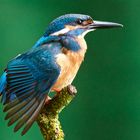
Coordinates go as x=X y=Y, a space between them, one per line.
x=48 y=119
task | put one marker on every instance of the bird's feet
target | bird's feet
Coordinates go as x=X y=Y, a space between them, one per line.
x=47 y=100
x=72 y=90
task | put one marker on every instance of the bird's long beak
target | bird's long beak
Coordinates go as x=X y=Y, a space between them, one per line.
x=103 y=25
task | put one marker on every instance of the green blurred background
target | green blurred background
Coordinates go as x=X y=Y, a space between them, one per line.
x=107 y=106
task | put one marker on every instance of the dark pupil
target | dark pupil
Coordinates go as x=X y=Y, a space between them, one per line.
x=80 y=21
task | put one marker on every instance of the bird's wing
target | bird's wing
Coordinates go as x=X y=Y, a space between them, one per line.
x=29 y=79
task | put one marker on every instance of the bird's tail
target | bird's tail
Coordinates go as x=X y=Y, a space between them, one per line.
x=3 y=84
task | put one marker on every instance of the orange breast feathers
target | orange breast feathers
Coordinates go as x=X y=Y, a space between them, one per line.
x=69 y=63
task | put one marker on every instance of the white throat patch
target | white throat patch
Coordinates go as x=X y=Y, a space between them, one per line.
x=63 y=31
x=87 y=31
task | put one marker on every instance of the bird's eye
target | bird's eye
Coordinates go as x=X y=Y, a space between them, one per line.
x=80 y=21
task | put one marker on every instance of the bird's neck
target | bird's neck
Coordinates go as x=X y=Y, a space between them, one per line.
x=82 y=43
x=74 y=43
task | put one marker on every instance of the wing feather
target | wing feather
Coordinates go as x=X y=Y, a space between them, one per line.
x=26 y=91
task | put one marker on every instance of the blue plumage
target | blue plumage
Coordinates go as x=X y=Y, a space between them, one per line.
x=45 y=40
x=3 y=83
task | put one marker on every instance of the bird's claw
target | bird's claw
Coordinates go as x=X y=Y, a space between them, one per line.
x=47 y=100
x=72 y=90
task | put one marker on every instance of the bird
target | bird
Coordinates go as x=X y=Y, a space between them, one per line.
x=50 y=65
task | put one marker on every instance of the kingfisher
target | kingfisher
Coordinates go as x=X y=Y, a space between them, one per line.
x=50 y=65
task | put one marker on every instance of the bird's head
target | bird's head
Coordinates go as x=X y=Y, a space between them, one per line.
x=76 y=25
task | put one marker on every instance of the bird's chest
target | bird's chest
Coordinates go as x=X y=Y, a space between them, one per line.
x=69 y=63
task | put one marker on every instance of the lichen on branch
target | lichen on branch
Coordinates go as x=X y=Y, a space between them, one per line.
x=48 y=119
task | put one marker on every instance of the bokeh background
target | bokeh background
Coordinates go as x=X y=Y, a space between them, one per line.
x=107 y=106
